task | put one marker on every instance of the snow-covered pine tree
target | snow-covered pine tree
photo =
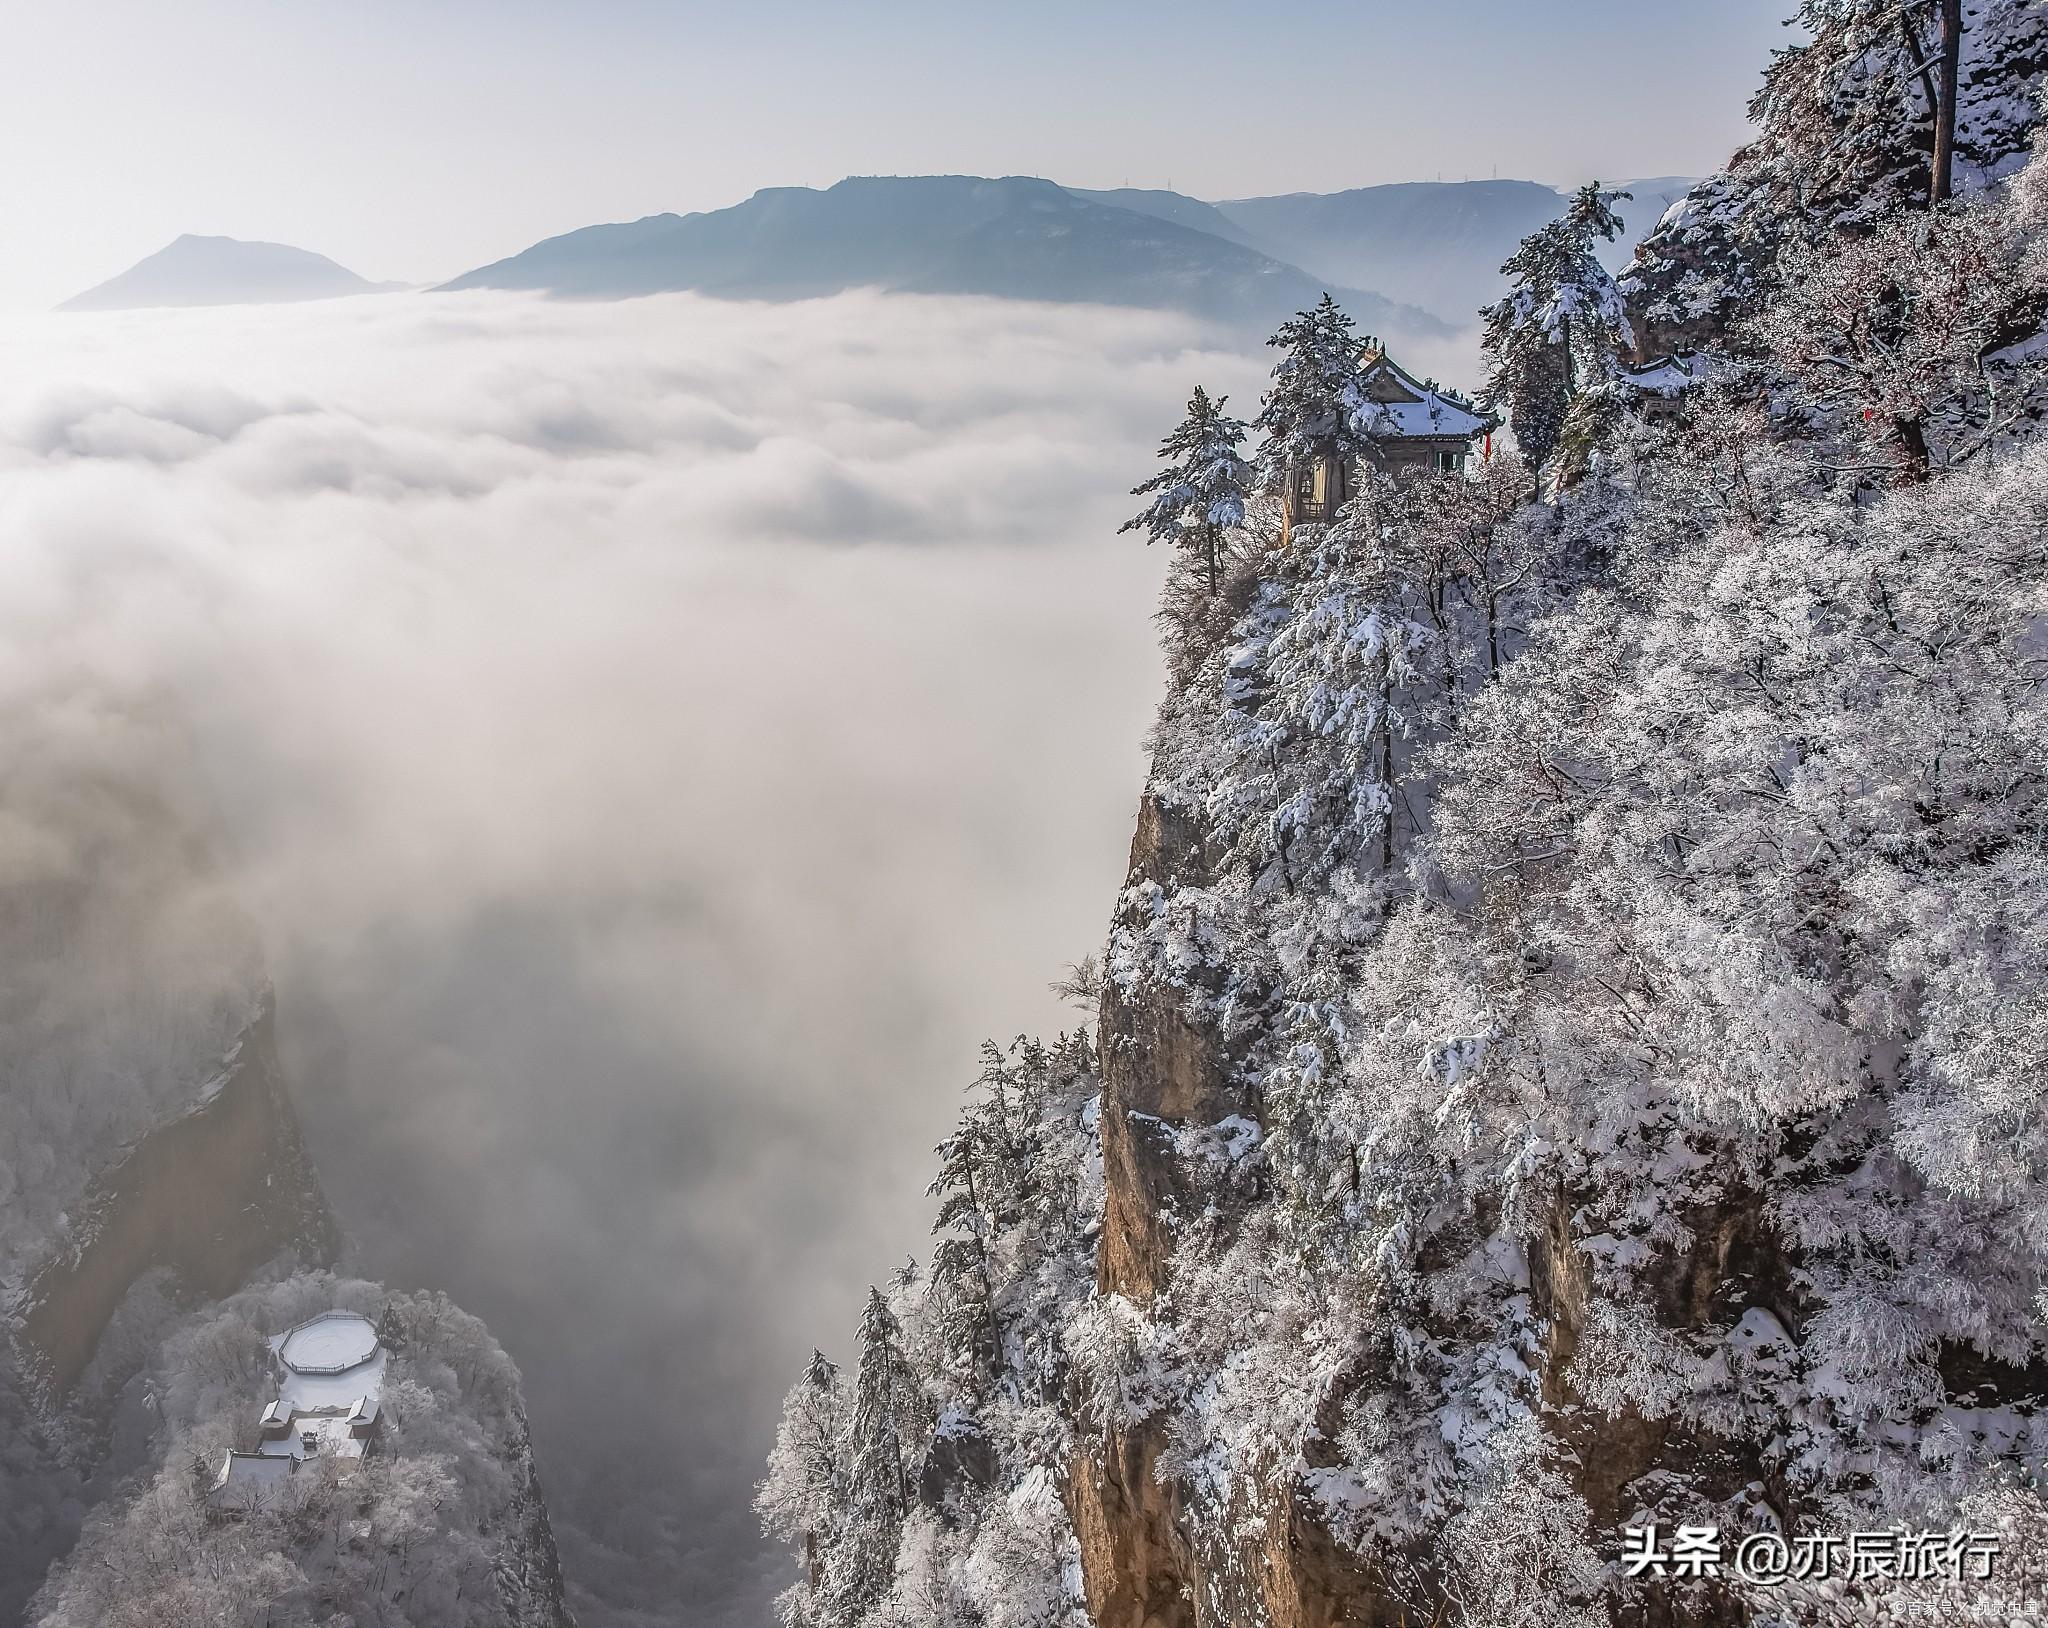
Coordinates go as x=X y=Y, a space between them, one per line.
x=1311 y=408
x=980 y=1172
x=1200 y=494
x=1560 y=326
x=859 y=1569
x=1316 y=704
x=972 y=1533
x=802 y=1499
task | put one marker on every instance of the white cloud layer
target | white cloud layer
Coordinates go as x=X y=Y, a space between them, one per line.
x=655 y=742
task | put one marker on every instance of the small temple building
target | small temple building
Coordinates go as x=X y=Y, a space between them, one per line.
x=1408 y=427
x=330 y=1386
x=1658 y=386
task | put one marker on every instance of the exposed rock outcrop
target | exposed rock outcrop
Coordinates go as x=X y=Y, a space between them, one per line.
x=210 y=1197
x=1162 y=1069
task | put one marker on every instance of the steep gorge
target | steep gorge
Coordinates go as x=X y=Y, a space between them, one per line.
x=209 y=1196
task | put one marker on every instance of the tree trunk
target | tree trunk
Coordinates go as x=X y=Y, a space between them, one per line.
x=1941 y=183
x=1912 y=436
x=1210 y=539
x=991 y=1330
x=1387 y=784
x=1919 y=62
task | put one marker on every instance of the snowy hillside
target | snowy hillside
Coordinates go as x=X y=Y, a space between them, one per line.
x=443 y=1524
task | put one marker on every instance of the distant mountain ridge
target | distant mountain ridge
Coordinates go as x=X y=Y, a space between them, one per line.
x=1177 y=207
x=1013 y=237
x=1437 y=244
x=224 y=271
x=1409 y=260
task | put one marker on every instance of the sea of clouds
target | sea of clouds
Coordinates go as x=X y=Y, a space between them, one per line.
x=654 y=744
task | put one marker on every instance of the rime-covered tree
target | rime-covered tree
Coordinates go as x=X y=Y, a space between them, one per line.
x=858 y=1570
x=1849 y=124
x=802 y=1500
x=1201 y=492
x=1310 y=409
x=1892 y=338
x=978 y=1174
x=1315 y=712
x=940 y=1553
x=1561 y=324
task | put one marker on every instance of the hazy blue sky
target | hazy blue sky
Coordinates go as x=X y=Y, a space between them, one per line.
x=416 y=138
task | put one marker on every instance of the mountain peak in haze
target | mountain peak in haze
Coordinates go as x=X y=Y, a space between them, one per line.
x=224 y=271
x=1434 y=244
x=1014 y=236
x=1438 y=244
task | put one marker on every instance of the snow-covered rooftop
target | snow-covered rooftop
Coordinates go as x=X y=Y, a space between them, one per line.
x=1669 y=375
x=1394 y=404
x=250 y=1481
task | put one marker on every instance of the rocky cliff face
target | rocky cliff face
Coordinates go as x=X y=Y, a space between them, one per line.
x=1165 y=1071
x=186 y=1213
x=207 y=1198
x=1162 y=1069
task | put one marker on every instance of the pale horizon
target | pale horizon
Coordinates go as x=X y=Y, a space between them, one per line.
x=414 y=144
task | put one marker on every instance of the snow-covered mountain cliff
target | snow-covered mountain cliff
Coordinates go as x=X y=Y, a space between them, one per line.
x=1847 y=125
x=1565 y=1108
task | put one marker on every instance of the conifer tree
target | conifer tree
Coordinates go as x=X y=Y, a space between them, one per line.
x=970 y=1162
x=802 y=1499
x=878 y=1479
x=1311 y=406
x=1200 y=494
x=989 y=1184
x=1561 y=325
x=1326 y=664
